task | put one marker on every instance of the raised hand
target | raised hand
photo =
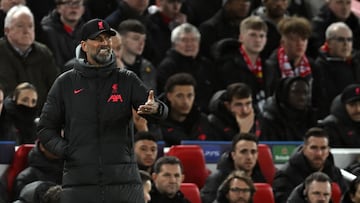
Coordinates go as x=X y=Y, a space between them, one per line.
x=150 y=106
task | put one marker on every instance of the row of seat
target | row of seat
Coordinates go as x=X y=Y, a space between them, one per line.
x=195 y=171
x=193 y=160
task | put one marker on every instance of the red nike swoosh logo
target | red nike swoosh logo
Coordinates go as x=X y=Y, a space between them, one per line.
x=78 y=91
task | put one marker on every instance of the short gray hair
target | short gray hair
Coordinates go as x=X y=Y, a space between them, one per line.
x=184 y=28
x=331 y=29
x=15 y=10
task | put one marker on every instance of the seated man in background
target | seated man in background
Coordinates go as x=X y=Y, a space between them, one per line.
x=184 y=57
x=185 y=121
x=133 y=35
x=146 y=150
x=239 y=60
x=237 y=187
x=22 y=58
x=342 y=124
x=243 y=156
x=289 y=59
x=288 y=113
x=313 y=156
x=232 y=112
x=336 y=67
x=167 y=177
x=316 y=188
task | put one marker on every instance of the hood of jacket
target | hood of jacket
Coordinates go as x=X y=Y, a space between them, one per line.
x=218 y=108
x=92 y=71
x=339 y=111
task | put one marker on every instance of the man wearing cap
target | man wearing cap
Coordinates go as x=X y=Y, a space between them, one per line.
x=343 y=123
x=92 y=103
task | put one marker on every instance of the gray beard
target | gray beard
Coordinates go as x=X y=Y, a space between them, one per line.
x=102 y=59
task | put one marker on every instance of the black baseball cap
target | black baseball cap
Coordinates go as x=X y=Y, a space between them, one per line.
x=351 y=93
x=94 y=27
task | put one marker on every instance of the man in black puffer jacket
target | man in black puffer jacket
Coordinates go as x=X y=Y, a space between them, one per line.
x=93 y=104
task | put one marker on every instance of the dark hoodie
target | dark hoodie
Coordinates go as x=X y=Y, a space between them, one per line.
x=223 y=121
x=224 y=167
x=297 y=169
x=331 y=75
x=199 y=67
x=281 y=122
x=60 y=42
x=321 y=22
x=195 y=127
x=19 y=122
x=342 y=131
x=40 y=168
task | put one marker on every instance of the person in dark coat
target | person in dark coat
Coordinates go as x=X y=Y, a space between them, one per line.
x=316 y=188
x=288 y=113
x=184 y=57
x=243 y=156
x=240 y=61
x=289 y=59
x=61 y=30
x=272 y=12
x=160 y=24
x=42 y=166
x=224 y=24
x=185 y=120
x=133 y=35
x=128 y=9
x=314 y=155
x=336 y=67
x=167 y=176
x=237 y=187
x=20 y=112
x=342 y=124
x=332 y=12
x=92 y=103
x=232 y=111
x=22 y=58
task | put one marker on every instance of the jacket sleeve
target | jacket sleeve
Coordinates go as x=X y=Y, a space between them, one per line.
x=52 y=120
x=139 y=97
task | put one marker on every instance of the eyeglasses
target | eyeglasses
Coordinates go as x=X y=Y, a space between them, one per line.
x=342 y=39
x=240 y=190
x=72 y=3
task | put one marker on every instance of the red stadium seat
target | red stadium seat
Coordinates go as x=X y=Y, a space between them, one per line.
x=18 y=164
x=264 y=193
x=191 y=192
x=335 y=193
x=266 y=163
x=193 y=159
